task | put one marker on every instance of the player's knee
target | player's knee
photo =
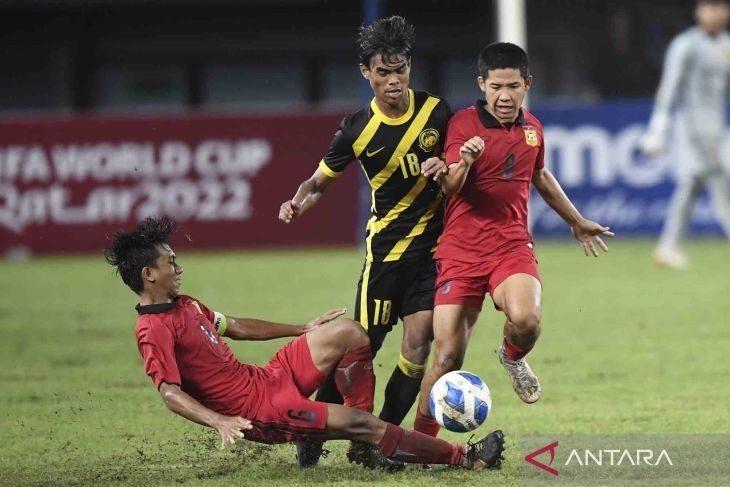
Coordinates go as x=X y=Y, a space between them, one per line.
x=351 y=334
x=448 y=361
x=526 y=322
x=416 y=351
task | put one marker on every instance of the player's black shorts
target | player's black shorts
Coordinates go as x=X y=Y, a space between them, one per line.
x=391 y=290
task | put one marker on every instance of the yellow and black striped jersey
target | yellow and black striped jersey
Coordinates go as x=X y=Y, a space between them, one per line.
x=407 y=210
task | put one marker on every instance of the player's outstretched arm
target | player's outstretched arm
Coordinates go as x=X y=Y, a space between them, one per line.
x=306 y=196
x=253 y=329
x=584 y=230
x=673 y=76
x=229 y=427
x=453 y=180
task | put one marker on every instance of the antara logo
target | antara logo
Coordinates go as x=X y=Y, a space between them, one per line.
x=619 y=457
x=613 y=457
x=530 y=458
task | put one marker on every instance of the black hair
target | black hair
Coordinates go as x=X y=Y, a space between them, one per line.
x=712 y=2
x=132 y=251
x=503 y=55
x=388 y=37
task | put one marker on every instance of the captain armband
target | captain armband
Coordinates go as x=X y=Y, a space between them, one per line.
x=220 y=322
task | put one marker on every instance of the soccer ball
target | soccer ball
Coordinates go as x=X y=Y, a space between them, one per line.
x=460 y=401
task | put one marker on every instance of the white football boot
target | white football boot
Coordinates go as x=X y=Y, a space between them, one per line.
x=671 y=257
x=524 y=380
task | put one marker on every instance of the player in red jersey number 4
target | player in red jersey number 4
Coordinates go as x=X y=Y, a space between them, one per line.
x=199 y=378
x=494 y=150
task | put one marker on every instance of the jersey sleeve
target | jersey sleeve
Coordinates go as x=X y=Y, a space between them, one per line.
x=673 y=76
x=204 y=310
x=218 y=319
x=156 y=344
x=456 y=136
x=447 y=113
x=540 y=159
x=340 y=153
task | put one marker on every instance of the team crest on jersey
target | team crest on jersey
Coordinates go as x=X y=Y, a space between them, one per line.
x=428 y=139
x=531 y=137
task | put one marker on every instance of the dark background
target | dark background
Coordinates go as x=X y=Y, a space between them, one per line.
x=127 y=56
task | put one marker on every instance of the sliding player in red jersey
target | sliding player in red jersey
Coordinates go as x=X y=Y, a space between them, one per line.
x=199 y=378
x=494 y=150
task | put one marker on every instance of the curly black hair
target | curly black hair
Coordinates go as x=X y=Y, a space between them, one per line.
x=388 y=37
x=132 y=251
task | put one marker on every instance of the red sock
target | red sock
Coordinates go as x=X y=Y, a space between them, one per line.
x=414 y=447
x=355 y=379
x=512 y=351
x=426 y=424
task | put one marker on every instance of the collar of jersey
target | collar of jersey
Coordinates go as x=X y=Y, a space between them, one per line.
x=400 y=120
x=153 y=309
x=488 y=119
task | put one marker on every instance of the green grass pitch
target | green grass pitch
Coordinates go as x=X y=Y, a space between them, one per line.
x=626 y=348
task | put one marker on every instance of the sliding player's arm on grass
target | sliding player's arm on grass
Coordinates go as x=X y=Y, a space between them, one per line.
x=229 y=427
x=253 y=329
x=339 y=155
x=584 y=230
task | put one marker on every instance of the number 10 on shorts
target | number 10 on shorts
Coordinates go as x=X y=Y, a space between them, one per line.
x=384 y=305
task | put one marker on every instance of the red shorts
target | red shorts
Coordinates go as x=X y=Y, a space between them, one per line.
x=466 y=283
x=283 y=412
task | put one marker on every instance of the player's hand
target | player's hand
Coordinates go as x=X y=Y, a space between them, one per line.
x=325 y=318
x=434 y=167
x=652 y=144
x=231 y=429
x=586 y=231
x=288 y=211
x=472 y=150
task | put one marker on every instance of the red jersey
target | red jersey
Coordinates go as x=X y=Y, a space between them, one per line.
x=180 y=345
x=489 y=215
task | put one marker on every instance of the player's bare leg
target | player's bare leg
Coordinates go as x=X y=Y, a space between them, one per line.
x=452 y=327
x=393 y=445
x=342 y=346
x=519 y=297
x=329 y=343
x=405 y=382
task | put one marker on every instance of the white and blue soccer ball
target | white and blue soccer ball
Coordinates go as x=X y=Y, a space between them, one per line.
x=460 y=401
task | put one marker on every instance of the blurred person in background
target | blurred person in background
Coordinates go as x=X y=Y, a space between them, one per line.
x=392 y=138
x=695 y=80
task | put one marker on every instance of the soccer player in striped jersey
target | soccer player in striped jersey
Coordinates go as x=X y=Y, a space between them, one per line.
x=391 y=137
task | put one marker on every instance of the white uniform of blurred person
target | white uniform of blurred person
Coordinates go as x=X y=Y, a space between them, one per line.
x=695 y=80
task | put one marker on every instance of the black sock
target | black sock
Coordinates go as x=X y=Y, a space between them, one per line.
x=328 y=392
x=400 y=394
